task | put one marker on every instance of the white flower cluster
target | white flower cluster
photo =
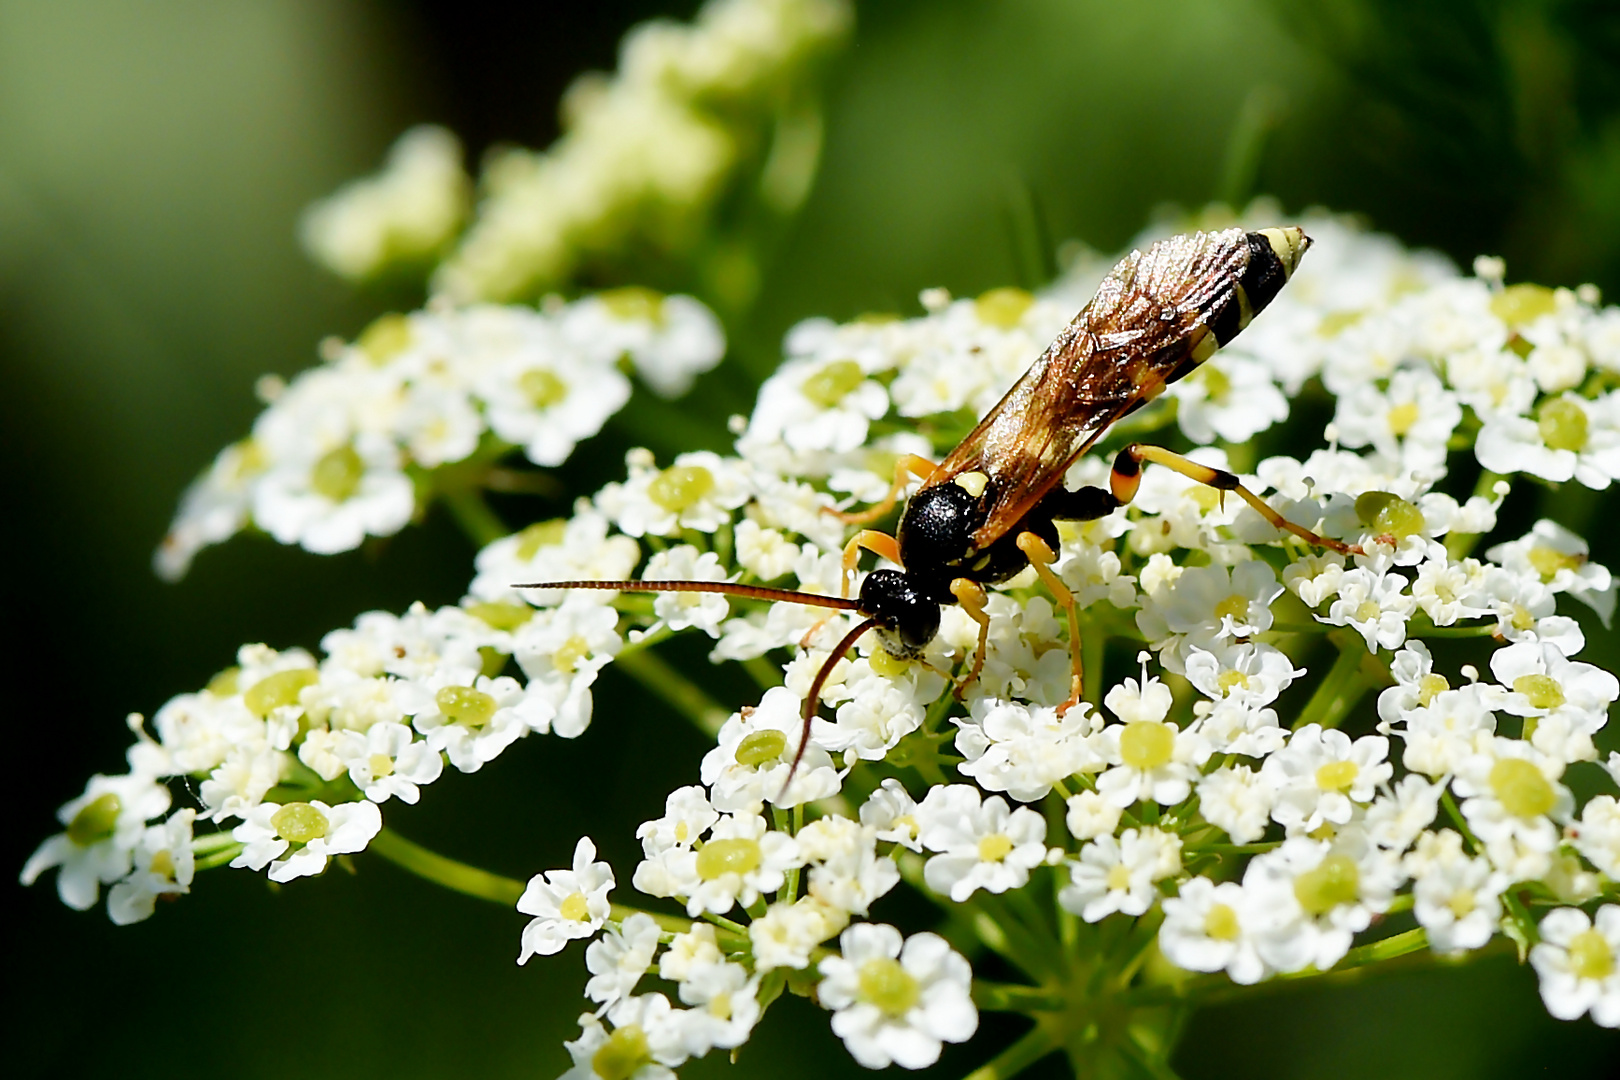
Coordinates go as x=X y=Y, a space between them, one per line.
x=303 y=751
x=1176 y=793
x=406 y=215
x=347 y=449
x=646 y=153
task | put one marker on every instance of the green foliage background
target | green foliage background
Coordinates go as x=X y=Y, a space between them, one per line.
x=153 y=159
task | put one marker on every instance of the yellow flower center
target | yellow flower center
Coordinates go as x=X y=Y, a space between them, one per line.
x=995 y=847
x=465 y=706
x=1337 y=775
x=1147 y=744
x=1402 y=417
x=623 y=1055
x=1542 y=691
x=1590 y=956
x=720 y=857
x=681 y=486
x=1335 y=880
x=575 y=907
x=337 y=474
x=1221 y=923
x=299 y=823
x=889 y=986
x=1521 y=788
x=832 y=383
x=96 y=820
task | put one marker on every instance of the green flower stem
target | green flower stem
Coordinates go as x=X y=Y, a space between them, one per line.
x=725 y=924
x=763 y=672
x=208 y=843
x=473 y=514
x=1451 y=631
x=471 y=881
x=1281 y=627
x=441 y=870
x=1033 y=1045
x=523 y=482
x=1458 y=820
x=1006 y=997
x=685 y=696
x=1338 y=691
x=1256 y=848
x=219 y=858
x=991 y=924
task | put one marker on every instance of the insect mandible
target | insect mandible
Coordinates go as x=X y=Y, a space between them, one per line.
x=990 y=508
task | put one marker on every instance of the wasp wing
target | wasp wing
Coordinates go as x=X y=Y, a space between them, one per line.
x=1144 y=329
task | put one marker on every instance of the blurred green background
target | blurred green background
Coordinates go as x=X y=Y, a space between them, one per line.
x=153 y=159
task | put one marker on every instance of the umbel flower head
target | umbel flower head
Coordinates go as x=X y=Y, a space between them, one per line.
x=1398 y=804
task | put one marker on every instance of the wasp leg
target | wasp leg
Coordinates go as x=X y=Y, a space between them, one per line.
x=1127 y=475
x=1082 y=504
x=1041 y=557
x=971 y=595
x=909 y=466
x=880 y=544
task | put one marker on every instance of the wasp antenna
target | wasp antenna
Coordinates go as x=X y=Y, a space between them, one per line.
x=814 y=696
x=726 y=588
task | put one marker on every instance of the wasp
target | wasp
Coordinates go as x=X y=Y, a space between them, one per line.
x=990 y=508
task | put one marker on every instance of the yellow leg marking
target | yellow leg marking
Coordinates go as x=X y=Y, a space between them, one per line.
x=909 y=466
x=1041 y=557
x=880 y=544
x=970 y=594
x=1127 y=475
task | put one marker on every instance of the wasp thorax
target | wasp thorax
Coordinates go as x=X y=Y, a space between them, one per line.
x=938 y=526
x=907 y=619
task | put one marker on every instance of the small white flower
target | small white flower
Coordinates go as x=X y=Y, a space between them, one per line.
x=1560 y=560
x=1568 y=701
x=103 y=827
x=562 y=650
x=619 y=958
x=1091 y=816
x=1570 y=438
x=1151 y=758
x=1312 y=897
x=893 y=813
x=1398 y=817
x=1320 y=776
x=1455 y=898
x=162 y=866
x=388 y=761
x=1231 y=397
x=699 y=491
x=473 y=724
x=756 y=751
x=741 y=859
x=1576 y=960
x=1237 y=799
x=670 y=339
x=982 y=846
x=1512 y=799
x=684 y=610
x=1375 y=605
x=1597 y=835
x=788 y=932
x=1025 y=750
x=578 y=549
x=330 y=501
x=687 y=816
x=295 y=840
x=404 y=214
x=1119 y=875
x=1209 y=927
x=541 y=394
x=897 y=1003
x=566 y=904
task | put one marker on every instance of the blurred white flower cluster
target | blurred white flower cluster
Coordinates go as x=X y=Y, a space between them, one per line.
x=349 y=449
x=406 y=215
x=1404 y=797
x=646 y=153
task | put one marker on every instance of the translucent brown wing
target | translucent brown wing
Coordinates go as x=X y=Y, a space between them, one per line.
x=1138 y=334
